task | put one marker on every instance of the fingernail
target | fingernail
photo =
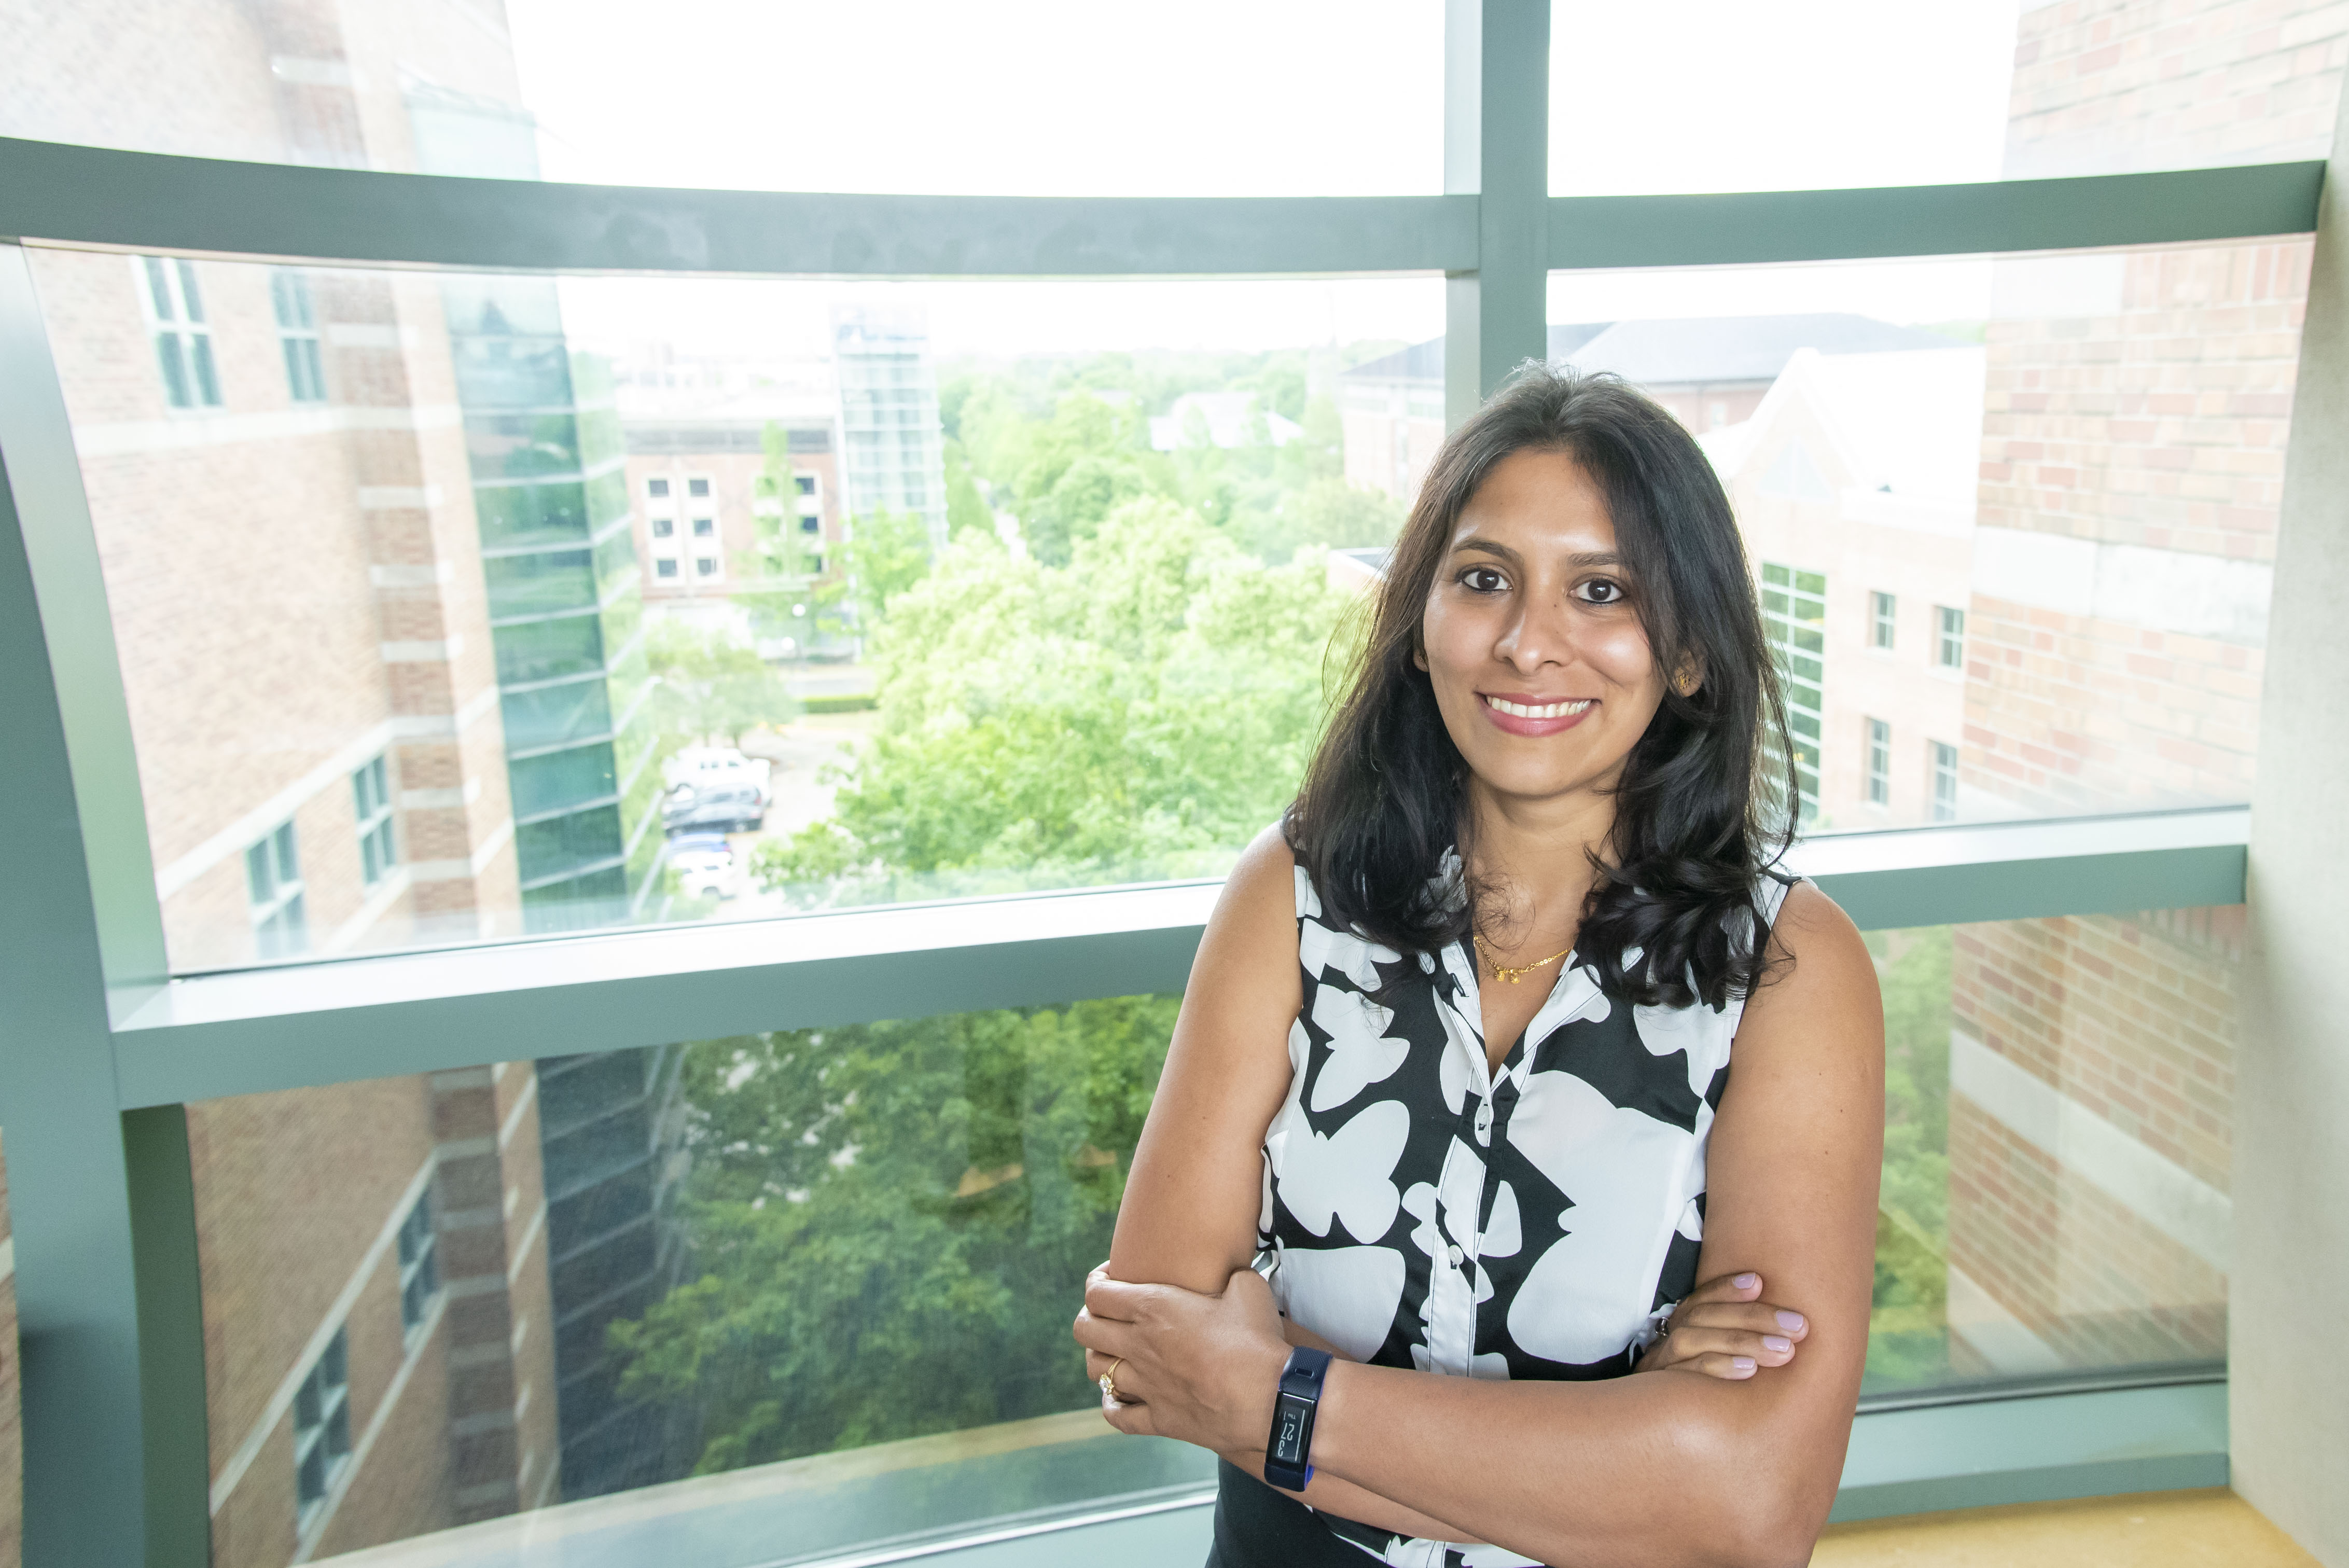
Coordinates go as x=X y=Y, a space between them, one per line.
x=1743 y=1362
x=1746 y=1281
x=1776 y=1342
x=1792 y=1322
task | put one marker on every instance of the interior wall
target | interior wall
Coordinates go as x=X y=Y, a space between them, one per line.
x=2288 y=1397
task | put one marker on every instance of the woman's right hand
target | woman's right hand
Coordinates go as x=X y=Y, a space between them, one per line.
x=1723 y=1329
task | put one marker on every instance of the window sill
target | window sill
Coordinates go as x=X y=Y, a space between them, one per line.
x=247 y=1031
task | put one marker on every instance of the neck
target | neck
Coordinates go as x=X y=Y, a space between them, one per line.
x=1534 y=857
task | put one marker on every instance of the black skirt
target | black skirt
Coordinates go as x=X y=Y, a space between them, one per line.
x=1259 y=1527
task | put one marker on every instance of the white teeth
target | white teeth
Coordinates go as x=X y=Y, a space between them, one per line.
x=1547 y=711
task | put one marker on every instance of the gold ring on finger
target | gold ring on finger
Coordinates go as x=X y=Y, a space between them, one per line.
x=1109 y=1381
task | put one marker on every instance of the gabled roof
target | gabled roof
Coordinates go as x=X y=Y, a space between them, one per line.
x=1739 y=348
x=1900 y=434
x=1419 y=362
x=1685 y=350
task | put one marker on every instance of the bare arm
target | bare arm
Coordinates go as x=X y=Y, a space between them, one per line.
x=1189 y=1214
x=1671 y=1468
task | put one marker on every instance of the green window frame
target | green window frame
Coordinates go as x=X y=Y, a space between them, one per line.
x=100 y=1051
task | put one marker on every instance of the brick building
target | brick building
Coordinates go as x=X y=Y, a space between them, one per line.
x=369 y=551
x=696 y=471
x=2135 y=413
x=1854 y=484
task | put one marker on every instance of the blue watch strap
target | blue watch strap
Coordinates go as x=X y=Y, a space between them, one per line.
x=1287 y=1450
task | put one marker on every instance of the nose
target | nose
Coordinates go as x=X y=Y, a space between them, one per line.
x=1541 y=634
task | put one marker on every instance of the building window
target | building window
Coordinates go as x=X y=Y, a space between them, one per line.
x=1881 y=623
x=664 y=528
x=183 y=343
x=704 y=527
x=273 y=875
x=1945 y=782
x=805 y=483
x=322 y=1430
x=656 y=487
x=1795 y=613
x=1951 y=653
x=697 y=487
x=371 y=798
x=706 y=566
x=1879 y=763
x=810 y=524
x=665 y=568
x=298 y=337
x=419 y=1265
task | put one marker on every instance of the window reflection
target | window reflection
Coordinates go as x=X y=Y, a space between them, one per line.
x=595 y=1277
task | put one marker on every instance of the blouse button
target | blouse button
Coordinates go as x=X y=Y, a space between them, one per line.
x=1455 y=1253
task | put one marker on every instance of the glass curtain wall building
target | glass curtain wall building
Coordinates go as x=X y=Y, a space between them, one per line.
x=889 y=415
x=420 y=1148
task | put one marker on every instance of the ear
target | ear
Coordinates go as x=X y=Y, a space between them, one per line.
x=1419 y=655
x=1690 y=676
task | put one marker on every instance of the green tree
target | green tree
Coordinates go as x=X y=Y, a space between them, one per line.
x=965 y=507
x=709 y=684
x=1908 y=1338
x=886 y=553
x=773 y=576
x=892 y=1221
x=1143 y=710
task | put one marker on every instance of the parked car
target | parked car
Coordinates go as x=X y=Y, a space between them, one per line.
x=712 y=767
x=704 y=864
x=713 y=808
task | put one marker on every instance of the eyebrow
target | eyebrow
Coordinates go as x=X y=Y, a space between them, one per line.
x=1578 y=561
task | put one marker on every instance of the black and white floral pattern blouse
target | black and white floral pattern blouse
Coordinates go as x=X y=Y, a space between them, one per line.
x=1424 y=1211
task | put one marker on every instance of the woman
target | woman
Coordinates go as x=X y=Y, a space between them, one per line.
x=1454 y=1058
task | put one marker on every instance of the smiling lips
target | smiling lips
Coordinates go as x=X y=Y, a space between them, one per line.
x=1519 y=716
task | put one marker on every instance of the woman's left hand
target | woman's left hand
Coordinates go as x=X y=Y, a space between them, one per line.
x=1199 y=1368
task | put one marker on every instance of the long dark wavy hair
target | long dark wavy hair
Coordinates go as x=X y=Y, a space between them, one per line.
x=1703 y=807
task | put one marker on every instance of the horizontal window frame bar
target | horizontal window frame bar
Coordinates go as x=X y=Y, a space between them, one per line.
x=337 y=1021
x=58 y=193
x=2054 y=1446
x=2185 y=207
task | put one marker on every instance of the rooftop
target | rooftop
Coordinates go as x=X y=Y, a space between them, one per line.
x=1682 y=350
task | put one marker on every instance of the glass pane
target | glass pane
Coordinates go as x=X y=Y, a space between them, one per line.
x=2062 y=472
x=1047 y=520
x=2059 y=1100
x=1852 y=93
x=1040 y=96
x=738 y=1255
x=742 y=1255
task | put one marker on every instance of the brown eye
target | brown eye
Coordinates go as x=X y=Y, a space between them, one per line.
x=1483 y=580
x=1600 y=591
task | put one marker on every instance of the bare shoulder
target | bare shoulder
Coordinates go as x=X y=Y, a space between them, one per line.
x=1255 y=921
x=1821 y=988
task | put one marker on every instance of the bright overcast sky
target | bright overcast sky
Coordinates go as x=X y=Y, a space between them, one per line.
x=1247 y=98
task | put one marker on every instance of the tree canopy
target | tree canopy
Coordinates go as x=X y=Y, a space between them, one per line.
x=892 y=1222
x=1143 y=710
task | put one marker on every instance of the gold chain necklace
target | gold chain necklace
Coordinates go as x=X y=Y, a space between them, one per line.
x=1513 y=974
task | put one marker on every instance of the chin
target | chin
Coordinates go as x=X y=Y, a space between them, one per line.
x=1520 y=782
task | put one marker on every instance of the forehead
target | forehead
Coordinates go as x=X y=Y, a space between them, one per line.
x=1533 y=498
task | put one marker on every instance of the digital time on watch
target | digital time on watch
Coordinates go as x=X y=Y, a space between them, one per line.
x=1287 y=1452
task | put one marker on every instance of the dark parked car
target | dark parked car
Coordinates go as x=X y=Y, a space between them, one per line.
x=713 y=808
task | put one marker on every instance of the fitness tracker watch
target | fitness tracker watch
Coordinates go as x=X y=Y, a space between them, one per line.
x=1288 y=1453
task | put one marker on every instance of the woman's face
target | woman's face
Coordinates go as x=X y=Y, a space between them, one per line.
x=1539 y=661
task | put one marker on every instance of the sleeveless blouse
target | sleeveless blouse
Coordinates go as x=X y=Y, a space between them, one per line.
x=1422 y=1211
